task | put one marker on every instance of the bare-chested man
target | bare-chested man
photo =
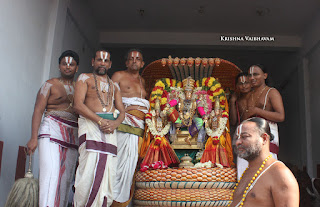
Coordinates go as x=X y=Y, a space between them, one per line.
x=57 y=135
x=265 y=102
x=133 y=96
x=238 y=108
x=238 y=100
x=266 y=182
x=96 y=100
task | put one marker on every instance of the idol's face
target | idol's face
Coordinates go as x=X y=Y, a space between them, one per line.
x=188 y=94
x=249 y=142
x=256 y=76
x=135 y=61
x=101 y=63
x=68 y=67
x=243 y=84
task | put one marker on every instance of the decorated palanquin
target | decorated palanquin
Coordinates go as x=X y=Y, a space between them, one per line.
x=189 y=111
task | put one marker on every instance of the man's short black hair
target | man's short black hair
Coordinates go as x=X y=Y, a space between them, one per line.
x=100 y=49
x=133 y=50
x=262 y=67
x=70 y=53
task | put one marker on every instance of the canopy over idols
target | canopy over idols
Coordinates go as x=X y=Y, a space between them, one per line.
x=218 y=68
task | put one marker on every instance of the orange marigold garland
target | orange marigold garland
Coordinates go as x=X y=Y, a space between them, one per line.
x=161 y=90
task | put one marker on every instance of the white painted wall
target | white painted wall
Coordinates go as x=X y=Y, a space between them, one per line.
x=80 y=34
x=33 y=33
x=311 y=53
x=23 y=40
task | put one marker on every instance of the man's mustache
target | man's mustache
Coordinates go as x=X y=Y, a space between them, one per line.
x=102 y=67
x=239 y=147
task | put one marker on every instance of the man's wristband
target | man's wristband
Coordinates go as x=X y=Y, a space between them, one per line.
x=99 y=122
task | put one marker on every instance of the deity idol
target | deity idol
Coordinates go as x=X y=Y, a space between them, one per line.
x=215 y=125
x=159 y=154
x=187 y=121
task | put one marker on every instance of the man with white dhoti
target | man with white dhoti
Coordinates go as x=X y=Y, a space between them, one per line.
x=57 y=135
x=265 y=102
x=133 y=94
x=98 y=102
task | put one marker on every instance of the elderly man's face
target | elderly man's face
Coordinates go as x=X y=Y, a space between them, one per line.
x=134 y=61
x=249 y=141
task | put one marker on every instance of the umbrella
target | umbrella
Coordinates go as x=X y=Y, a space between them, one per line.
x=25 y=191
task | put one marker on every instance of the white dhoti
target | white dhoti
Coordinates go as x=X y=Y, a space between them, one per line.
x=97 y=166
x=58 y=143
x=242 y=164
x=128 y=136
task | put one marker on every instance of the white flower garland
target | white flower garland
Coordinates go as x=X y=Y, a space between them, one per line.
x=153 y=130
x=222 y=126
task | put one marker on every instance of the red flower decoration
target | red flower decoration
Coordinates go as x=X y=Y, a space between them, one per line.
x=157 y=140
x=148 y=116
x=215 y=140
x=144 y=168
x=206 y=82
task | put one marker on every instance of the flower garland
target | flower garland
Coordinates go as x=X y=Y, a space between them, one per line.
x=154 y=166
x=222 y=126
x=161 y=89
x=213 y=88
x=153 y=130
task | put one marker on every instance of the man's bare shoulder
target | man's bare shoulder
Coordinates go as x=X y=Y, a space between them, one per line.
x=274 y=92
x=284 y=186
x=117 y=76
x=84 y=76
x=53 y=81
x=120 y=73
x=281 y=174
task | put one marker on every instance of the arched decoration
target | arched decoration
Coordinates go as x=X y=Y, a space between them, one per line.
x=197 y=68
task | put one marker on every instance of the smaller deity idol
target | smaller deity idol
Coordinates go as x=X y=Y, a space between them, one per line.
x=159 y=148
x=215 y=125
